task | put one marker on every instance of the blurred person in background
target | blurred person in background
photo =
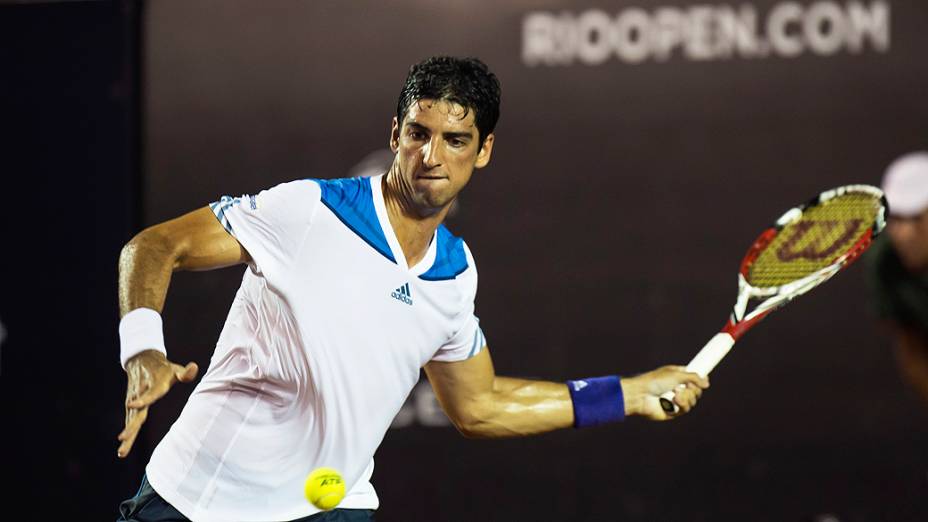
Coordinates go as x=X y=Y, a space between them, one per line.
x=898 y=267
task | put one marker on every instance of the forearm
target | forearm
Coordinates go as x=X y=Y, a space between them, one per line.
x=145 y=267
x=520 y=407
x=483 y=405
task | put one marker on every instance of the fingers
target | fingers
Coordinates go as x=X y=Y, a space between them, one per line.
x=687 y=377
x=150 y=378
x=687 y=388
x=148 y=398
x=700 y=381
x=186 y=373
x=134 y=420
x=154 y=386
x=687 y=394
x=686 y=398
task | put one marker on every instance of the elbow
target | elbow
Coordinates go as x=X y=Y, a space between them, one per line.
x=149 y=244
x=471 y=431
x=131 y=249
x=474 y=423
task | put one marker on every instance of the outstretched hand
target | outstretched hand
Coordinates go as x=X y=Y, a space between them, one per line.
x=642 y=392
x=150 y=375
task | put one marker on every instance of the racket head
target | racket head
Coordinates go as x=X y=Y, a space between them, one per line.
x=821 y=236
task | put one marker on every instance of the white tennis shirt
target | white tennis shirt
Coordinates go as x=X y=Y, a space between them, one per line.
x=322 y=345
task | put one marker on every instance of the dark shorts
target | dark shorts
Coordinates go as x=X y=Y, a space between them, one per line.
x=148 y=506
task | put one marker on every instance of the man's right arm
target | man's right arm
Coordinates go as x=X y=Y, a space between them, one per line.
x=194 y=241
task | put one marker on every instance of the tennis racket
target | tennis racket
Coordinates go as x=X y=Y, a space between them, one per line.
x=807 y=246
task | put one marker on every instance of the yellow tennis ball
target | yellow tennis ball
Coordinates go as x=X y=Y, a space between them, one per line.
x=324 y=488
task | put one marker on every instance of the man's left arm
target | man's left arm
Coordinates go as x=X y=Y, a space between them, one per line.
x=484 y=405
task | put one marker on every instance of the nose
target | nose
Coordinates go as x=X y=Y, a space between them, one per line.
x=430 y=153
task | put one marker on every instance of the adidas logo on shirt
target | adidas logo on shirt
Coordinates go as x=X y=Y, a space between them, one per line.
x=402 y=294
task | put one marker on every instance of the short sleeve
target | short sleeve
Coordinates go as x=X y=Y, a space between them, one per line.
x=272 y=224
x=469 y=339
x=468 y=342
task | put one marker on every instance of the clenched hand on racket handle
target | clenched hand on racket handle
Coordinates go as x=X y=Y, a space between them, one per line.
x=643 y=392
x=150 y=376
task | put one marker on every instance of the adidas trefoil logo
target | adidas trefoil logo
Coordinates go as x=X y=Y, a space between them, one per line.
x=402 y=294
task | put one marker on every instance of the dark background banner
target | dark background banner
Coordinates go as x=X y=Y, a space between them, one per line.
x=641 y=148
x=607 y=229
x=69 y=129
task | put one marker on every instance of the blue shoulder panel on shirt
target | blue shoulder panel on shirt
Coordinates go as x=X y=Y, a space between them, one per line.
x=352 y=202
x=450 y=259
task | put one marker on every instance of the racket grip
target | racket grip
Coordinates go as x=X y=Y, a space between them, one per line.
x=707 y=358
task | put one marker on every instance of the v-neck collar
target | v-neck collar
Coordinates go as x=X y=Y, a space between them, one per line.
x=380 y=207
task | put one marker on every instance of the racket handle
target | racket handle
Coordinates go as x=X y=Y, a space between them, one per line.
x=707 y=358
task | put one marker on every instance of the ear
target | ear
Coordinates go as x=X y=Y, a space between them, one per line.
x=395 y=136
x=483 y=155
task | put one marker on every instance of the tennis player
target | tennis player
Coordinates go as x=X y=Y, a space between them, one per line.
x=352 y=286
x=898 y=267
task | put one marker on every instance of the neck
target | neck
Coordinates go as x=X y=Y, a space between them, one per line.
x=414 y=226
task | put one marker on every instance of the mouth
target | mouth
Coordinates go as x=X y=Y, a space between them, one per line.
x=430 y=177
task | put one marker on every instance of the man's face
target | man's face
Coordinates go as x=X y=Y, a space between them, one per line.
x=909 y=236
x=437 y=150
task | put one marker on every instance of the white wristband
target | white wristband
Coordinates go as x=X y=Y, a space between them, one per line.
x=140 y=330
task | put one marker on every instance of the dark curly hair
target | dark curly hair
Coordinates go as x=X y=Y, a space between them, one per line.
x=465 y=81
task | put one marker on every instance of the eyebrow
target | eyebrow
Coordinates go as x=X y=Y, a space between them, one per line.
x=447 y=135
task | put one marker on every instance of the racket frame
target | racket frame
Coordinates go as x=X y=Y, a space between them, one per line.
x=739 y=321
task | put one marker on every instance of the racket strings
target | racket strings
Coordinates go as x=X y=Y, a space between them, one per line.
x=814 y=241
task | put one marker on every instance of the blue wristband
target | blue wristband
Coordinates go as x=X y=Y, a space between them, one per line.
x=597 y=400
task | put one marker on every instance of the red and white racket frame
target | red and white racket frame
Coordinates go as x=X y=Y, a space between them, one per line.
x=776 y=296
